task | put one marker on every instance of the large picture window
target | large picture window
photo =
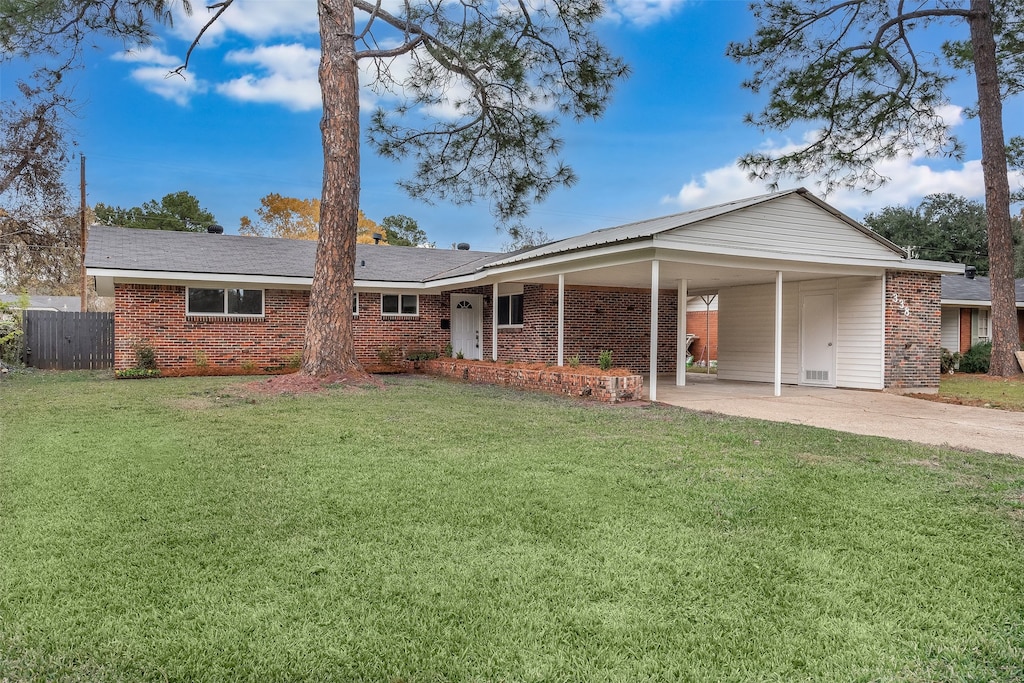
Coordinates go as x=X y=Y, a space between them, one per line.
x=510 y=309
x=400 y=304
x=202 y=301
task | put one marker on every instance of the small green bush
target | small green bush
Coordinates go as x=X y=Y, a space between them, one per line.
x=386 y=354
x=422 y=355
x=977 y=358
x=200 y=358
x=604 y=360
x=145 y=356
x=574 y=361
x=294 y=361
x=11 y=332
x=950 y=361
x=459 y=355
x=136 y=373
x=448 y=350
x=248 y=366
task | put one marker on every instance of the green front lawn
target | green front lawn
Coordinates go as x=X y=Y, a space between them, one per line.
x=982 y=390
x=179 y=529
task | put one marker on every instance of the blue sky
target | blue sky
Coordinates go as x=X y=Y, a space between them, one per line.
x=245 y=122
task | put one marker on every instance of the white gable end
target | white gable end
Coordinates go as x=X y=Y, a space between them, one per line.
x=787 y=226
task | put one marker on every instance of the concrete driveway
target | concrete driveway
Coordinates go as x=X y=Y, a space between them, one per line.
x=873 y=413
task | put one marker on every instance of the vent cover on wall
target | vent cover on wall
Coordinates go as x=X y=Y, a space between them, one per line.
x=816 y=375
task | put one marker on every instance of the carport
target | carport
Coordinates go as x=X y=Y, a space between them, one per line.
x=807 y=296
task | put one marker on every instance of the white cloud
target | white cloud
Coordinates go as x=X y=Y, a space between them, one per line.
x=154 y=74
x=288 y=76
x=254 y=19
x=174 y=87
x=643 y=12
x=910 y=180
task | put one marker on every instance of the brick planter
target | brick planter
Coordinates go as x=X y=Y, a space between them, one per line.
x=608 y=388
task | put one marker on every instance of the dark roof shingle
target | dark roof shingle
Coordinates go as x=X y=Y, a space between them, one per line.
x=191 y=252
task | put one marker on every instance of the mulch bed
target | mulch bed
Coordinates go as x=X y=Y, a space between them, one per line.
x=299 y=383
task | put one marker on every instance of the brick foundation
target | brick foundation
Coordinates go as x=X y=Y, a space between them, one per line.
x=913 y=325
x=605 y=388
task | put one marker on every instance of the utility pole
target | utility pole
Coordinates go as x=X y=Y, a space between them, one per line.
x=85 y=302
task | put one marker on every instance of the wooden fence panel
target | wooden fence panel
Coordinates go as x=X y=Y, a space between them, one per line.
x=57 y=340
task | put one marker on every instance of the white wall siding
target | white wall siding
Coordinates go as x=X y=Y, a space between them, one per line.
x=951 y=328
x=746 y=333
x=861 y=335
x=786 y=226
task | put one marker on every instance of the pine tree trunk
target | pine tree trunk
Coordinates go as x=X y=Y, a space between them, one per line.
x=1005 y=339
x=329 y=346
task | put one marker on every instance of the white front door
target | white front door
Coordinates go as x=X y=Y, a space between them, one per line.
x=467 y=325
x=817 y=339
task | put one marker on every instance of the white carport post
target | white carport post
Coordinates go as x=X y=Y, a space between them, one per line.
x=681 y=335
x=494 y=322
x=778 y=333
x=655 y=278
x=561 y=319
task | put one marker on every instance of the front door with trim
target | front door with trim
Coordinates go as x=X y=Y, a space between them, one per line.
x=467 y=325
x=817 y=339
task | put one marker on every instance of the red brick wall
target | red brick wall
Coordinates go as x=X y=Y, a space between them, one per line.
x=965 y=329
x=596 y=319
x=155 y=315
x=1020 y=326
x=912 y=330
x=697 y=323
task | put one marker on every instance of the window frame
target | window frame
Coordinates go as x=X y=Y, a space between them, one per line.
x=508 y=309
x=984 y=325
x=226 y=289
x=401 y=300
x=355 y=304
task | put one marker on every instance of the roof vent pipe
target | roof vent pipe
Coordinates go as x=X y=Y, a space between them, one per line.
x=377 y=237
x=215 y=229
x=970 y=272
x=462 y=246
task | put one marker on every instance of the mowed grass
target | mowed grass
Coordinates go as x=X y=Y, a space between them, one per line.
x=996 y=392
x=177 y=529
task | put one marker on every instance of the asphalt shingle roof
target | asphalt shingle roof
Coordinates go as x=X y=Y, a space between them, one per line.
x=960 y=288
x=190 y=252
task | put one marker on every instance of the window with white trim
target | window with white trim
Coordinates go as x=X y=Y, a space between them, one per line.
x=223 y=301
x=400 y=304
x=355 y=304
x=984 y=324
x=510 y=310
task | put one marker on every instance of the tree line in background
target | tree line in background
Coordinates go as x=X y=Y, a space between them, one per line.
x=293 y=218
x=944 y=227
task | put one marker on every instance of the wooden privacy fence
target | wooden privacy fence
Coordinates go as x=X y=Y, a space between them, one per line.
x=58 y=340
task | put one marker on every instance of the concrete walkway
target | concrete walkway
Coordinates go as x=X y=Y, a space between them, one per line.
x=873 y=413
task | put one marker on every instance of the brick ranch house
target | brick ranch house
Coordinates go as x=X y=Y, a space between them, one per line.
x=805 y=295
x=967 y=311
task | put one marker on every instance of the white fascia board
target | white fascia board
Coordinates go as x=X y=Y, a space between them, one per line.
x=972 y=303
x=935 y=267
x=173 y=278
x=570 y=262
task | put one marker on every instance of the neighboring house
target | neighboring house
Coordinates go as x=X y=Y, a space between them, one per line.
x=967 y=311
x=702 y=323
x=852 y=310
x=47 y=303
